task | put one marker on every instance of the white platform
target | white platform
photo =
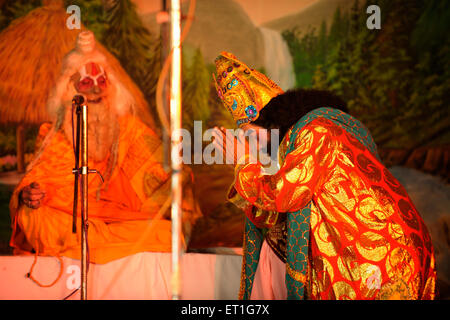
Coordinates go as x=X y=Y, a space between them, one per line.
x=144 y=275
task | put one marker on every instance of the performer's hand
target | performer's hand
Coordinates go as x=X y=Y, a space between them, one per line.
x=32 y=195
x=222 y=141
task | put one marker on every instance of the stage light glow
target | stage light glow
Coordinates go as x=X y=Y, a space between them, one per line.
x=176 y=163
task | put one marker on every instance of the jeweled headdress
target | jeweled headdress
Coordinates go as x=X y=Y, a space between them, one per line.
x=244 y=91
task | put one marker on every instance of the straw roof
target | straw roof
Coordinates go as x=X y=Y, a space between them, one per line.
x=31 y=53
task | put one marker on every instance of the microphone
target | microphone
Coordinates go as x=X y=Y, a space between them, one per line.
x=78 y=99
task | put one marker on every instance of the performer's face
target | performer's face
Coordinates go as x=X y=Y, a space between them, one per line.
x=91 y=81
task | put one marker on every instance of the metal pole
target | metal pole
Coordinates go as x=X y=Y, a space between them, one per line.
x=175 y=124
x=165 y=49
x=76 y=170
x=84 y=200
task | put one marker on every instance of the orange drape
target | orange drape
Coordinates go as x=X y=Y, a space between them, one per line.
x=121 y=221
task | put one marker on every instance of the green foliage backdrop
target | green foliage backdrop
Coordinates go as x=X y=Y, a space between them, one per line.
x=395 y=79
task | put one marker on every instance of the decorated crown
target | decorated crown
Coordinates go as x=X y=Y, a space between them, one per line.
x=243 y=91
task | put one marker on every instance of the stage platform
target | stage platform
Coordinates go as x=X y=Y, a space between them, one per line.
x=145 y=275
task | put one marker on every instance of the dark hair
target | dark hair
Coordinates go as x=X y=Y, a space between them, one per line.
x=283 y=111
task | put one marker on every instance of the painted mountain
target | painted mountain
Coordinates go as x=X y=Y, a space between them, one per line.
x=220 y=25
x=311 y=16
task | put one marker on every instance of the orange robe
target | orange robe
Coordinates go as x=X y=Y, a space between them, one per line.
x=367 y=240
x=122 y=221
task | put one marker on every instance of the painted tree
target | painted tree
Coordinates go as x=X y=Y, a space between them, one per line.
x=392 y=71
x=135 y=47
x=322 y=44
x=431 y=84
x=396 y=79
x=319 y=80
x=338 y=71
x=196 y=90
x=13 y=9
x=307 y=51
x=336 y=28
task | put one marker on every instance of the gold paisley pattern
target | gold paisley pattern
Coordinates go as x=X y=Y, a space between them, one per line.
x=367 y=240
x=297 y=276
x=348 y=265
x=372 y=246
x=343 y=291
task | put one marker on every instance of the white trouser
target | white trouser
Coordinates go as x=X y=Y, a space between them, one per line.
x=269 y=282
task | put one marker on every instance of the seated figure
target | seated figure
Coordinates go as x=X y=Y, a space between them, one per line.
x=127 y=213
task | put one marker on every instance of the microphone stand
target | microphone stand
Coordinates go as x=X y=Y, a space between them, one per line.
x=82 y=147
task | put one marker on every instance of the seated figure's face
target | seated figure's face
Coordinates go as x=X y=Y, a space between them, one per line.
x=91 y=81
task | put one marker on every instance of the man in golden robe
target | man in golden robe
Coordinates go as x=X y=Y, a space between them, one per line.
x=332 y=222
x=128 y=212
